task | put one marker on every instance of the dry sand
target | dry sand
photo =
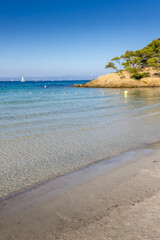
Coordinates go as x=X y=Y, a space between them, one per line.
x=117 y=80
x=112 y=203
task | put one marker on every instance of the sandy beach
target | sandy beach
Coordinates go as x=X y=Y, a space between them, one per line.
x=106 y=200
x=80 y=120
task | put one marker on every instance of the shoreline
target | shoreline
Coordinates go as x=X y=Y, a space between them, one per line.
x=113 y=87
x=32 y=154
x=92 y=203
x=108 y=163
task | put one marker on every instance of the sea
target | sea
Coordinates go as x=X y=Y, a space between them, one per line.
x=49 y=128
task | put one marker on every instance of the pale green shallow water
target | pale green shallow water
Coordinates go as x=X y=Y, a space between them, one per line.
x=47 y=132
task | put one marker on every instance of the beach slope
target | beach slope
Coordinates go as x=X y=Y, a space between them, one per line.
x=120 y=203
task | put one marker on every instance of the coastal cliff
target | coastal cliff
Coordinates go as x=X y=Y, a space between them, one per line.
x=124 y=80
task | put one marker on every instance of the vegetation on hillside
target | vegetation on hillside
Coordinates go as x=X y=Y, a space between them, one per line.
x=137 y=61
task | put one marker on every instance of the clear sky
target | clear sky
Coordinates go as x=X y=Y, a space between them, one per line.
x=72 y=37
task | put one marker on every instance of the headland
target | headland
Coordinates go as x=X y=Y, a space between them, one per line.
x=124 y=80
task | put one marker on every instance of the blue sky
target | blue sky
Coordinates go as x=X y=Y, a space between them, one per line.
x=66 y=37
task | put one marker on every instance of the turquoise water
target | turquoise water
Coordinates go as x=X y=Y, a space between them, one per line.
x=47 y=132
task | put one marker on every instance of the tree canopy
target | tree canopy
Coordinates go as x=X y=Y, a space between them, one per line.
x=136 y=61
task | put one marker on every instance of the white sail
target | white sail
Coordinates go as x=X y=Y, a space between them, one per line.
x=22 y=79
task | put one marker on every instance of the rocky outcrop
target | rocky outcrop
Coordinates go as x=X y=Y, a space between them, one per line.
x=123 y=80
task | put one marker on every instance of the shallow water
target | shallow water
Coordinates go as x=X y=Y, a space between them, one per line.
x=46 y=132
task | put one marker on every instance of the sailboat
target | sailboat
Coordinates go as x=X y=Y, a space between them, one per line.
x=22 y=80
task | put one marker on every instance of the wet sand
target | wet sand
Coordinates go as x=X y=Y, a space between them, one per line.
x=98 y=202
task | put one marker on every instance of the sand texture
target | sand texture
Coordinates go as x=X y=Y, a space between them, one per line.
x=117 y=80
x=121 y=203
